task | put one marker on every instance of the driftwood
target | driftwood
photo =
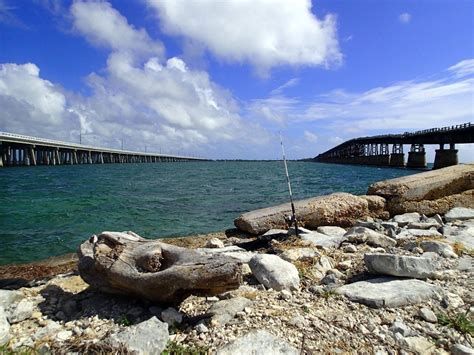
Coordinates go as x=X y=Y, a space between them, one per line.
x=128 y=264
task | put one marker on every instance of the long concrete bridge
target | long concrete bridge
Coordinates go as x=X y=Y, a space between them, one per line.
x=376 y=150
x=20 y=150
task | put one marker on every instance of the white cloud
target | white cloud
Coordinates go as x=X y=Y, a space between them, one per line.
x=463 y=68
x=266 y=33
x=310 y=137
x=289 y=84
x=102 y=25
x=405 y=17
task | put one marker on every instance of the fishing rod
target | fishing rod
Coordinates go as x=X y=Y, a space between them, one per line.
x=293 y=213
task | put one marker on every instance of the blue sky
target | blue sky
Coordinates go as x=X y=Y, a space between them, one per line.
x=221 y=78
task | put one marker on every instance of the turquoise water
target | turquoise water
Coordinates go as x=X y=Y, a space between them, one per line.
x=46 y=211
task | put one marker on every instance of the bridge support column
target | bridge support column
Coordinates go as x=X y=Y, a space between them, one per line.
x=416 y=156
x=445 y=157
x=58 y=158
x=397 y=159
x=32 y=154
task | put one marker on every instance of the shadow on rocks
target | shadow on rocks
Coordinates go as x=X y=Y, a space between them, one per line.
x=61 y=305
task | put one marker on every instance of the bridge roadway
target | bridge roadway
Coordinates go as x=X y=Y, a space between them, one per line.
x=20 y=150
x=375 y=150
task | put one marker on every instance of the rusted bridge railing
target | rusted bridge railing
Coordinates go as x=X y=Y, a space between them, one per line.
x=376 y=150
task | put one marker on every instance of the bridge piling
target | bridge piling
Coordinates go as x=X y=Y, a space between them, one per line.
x=445 y=157
x=417 y=156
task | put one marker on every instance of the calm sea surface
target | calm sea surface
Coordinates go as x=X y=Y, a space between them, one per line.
x=46 y=211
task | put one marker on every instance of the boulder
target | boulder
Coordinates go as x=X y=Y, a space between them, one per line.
x=20 y=311
x=4 y=327
x=258 y=342
x=339 y=209
x=389 y=292
x=274 y=272
x=224 y=311
x=331 y=230
x=459 y=213
x=323 y=240
x=399 y=265
x=463 y=234
x=418 y=233
x=8 y=297
x=411 y=193
x=440 y=248
x=148 y=337
x=369 y=236
x=407 y=218
x=459 y=349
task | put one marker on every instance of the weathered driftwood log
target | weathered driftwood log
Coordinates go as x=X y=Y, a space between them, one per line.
x=339 y=209
x=429 y=192
x=126 y=263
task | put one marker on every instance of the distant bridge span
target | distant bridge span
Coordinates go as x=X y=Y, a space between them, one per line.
x=20 y=150
x=376 y=151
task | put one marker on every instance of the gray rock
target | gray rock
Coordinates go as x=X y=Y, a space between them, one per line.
x=214 y=243
x=4 y=327
x=233 y=251
x=401 y=328
x=349 y=248
x=149 y=337
x=390 y=225
x=423 y=225
x=427 y=315
x=366 y=235
x=48 y=330
x=285 y=295
x=331 y=230
x=171 y=316
x=389 y=292
x=459 y=213
x=466 y=263
x=418 y=233
x=463 y=234
x=299 y=321
x=323 y=240
x=419 y=345
x=20 y=311
x=406 y=218
x=440 y=248
x=258 y=342
x=274 y=233
x=299 y=254
x=8 y=297
x=224 y=311
x=201 y=328
x=459 y=349
x=399 y=265
x=317 y=290
x=370 y=225
x=274 y=272
x=329 y=279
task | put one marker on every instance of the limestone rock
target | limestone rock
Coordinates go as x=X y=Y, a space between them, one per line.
x=274 y=272
x=48 y=330
x=4 y=327
x=258 y=342
x=399 y=265
x=225 y=310
x=404 y=194
x=323 y=240
x=149 y=337
x=389 y=292
x=401 y=328
x=440 y=248
x=419 y=345
x=407 y=218
x=463 y=234
x=8 y=297
x=459 y=349
x=214 y=243
x=331 y=230
x=459 y=213
x=427 y=315
x=339 y=209
x=20 y=311
x=171 y=316
x=418 y=233
x=369 y=236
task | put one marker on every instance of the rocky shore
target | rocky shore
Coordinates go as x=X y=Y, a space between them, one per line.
x=387 y=273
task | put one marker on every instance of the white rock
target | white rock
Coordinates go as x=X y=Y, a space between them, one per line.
x=201 y=328
x=349 y=248
x=440 y=248
x=452 y=300
x=400 y=327
x=299 y=254
x=285 y=295
x=4 y=327
x=400 y=265
x=331 y=230
x=258 y=342
x=8 y=297
x=48 y=330
x=274 y=272
x=427 y=315
x=463 y=234
x=459 y=349
x=419 y=345
x=389 y=292
x=323 y=240
x=459 y=213
x=369 y=236
x=404 y=219
x=225 y=310
x=171 y=316
x=418 y=233
x=232 y=251
x=63 y=335
x=20 y=311
x=214 y=243
x=149 y=337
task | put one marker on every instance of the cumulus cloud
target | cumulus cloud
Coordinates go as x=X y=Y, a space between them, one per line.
x=405 y=17
x=262 y=32
x=28 y=100
x=103 y=25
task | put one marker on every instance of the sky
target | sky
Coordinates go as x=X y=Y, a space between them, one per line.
x=221 y=78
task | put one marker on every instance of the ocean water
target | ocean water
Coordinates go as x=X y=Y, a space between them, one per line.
x=47 y=211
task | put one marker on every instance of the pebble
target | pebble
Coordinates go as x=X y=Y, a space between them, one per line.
x=427 y=315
